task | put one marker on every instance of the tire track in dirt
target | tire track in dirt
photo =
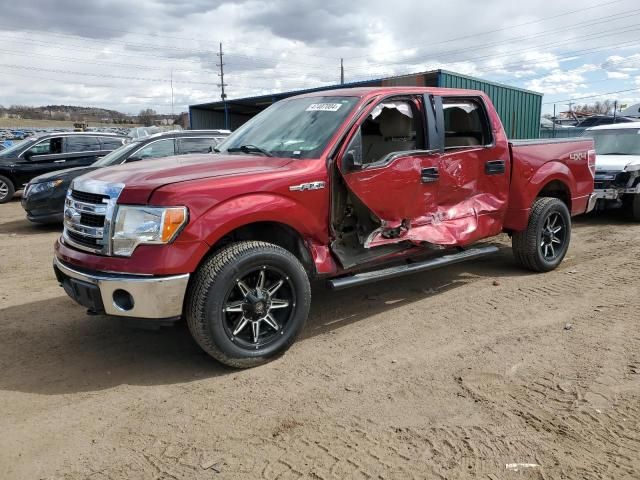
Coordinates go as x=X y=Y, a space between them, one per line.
x=530 y=410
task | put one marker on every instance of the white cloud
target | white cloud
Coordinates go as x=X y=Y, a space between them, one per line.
x=561 y=81
x=617 y=75
x=285 y=45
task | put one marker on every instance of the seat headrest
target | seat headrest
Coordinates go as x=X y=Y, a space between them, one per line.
x=459 y=120
x=394 y=124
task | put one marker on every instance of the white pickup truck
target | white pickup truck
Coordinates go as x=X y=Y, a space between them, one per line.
x=617 y=179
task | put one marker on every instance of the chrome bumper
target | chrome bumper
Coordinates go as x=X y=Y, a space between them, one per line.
x=151 y=297
x=609 y=194
x=591 y=204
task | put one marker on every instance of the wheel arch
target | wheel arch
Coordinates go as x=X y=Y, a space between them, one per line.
x=275 y=232
x=557 y=188
x=11 y=178
x=272 y=218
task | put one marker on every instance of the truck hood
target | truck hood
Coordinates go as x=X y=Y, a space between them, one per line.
x=615 y=163
x=143 y=177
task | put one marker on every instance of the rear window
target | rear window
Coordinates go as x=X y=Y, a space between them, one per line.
x=197 y=145
x=465 y=123
x=82 y=144
x=110 y=143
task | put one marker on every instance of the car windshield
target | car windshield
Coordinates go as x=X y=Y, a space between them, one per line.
x=616 y=142
x=296 y=128
x=16 y=146
x=117 y=156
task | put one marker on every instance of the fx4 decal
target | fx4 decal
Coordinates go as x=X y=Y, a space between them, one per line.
x=307 y=186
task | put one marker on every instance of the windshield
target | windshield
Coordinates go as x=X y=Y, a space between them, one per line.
x=616 y=142
x=296 y=127
x=16 y=146
x=117 y=156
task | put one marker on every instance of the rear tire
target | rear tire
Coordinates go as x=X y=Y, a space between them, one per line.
x=248 y=303
x=7 y=190
x=544 y=243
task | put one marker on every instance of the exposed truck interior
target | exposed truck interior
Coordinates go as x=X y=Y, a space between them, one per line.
x=394 y=126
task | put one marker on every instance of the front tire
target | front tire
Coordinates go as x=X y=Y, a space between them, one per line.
x=7 y=189
x=248 y=303
x=635 y=207
x=543 y=245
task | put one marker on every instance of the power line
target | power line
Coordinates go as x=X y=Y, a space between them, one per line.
x=90 y=62
x=510 y=27
x=593 y=96
x=100 y=75
x=153 y=47
x=601 y=34
x=568 y=55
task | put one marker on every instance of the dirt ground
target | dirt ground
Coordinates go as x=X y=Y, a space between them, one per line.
x=454 y=374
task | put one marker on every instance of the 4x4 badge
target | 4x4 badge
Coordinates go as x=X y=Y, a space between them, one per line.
x=307 y=186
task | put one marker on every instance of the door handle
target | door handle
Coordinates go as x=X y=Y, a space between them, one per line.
x=495 y=167
x=429 y=175
x=60 y=161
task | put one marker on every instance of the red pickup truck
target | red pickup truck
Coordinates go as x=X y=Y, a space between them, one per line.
x=351 y=185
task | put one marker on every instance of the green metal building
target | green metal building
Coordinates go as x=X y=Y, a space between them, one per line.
x=519 y=109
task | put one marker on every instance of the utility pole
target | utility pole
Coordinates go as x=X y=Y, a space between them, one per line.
x=172 y=92
x=341 y=71
x=615 y=110
x=222 y=85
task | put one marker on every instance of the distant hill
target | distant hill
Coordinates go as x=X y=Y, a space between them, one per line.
x=66 y=112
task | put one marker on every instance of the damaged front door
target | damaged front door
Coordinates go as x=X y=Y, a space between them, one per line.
x=388 y=169
x=446 y=184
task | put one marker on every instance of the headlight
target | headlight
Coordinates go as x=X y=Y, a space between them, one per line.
x=41 y=187
x=146 y=225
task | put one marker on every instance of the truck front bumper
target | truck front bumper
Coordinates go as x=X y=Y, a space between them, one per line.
x=612 y=194
x=124 y=295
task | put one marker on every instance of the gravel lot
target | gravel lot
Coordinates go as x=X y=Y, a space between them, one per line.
x=451 y=374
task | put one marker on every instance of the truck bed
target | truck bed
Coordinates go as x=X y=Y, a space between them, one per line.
x=563 y=167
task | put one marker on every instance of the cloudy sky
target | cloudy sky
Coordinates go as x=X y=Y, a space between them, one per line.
x=121 y=54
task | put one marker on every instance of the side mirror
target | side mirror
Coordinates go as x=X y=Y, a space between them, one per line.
x=352 y=159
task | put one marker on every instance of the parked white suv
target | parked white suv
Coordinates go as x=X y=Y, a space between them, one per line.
x=617 y=180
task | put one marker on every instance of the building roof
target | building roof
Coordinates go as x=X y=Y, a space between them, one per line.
x=267 y=99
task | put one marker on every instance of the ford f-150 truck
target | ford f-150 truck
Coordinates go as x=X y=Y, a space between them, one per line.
x=351 y=185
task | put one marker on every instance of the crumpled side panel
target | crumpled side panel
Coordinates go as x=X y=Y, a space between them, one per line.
x=460 y=224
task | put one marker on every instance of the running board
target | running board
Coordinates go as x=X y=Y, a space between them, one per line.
x=392 y=272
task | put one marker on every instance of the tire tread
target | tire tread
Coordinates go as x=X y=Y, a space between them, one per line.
x=525 y=243
x=204 y=277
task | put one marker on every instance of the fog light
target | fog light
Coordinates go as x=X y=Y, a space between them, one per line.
x=123 y=300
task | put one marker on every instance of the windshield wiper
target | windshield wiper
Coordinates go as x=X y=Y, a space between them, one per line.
x=249 y=149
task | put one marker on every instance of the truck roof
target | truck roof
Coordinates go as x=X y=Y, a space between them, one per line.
x=616 y=126
x=373 y=91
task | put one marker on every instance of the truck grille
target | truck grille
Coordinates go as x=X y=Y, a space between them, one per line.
x=88 y=215
x=88 y=242
x=610 y=179
x=92 y=220
x=88 y=197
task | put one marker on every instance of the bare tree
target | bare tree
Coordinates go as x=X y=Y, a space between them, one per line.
x=147 y=117
x=598 y=108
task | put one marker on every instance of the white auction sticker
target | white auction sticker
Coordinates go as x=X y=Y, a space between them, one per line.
x=324 y=107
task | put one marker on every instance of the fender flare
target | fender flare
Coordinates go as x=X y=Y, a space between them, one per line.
x=246 y=209
x=549 y=172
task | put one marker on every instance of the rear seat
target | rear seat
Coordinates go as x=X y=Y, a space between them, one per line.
x=460 y=132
